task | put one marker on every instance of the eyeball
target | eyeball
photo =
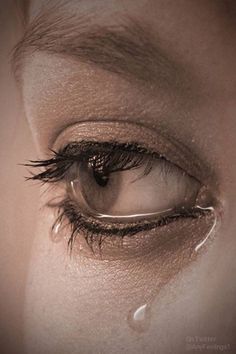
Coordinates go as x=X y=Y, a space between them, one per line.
x=132 y=193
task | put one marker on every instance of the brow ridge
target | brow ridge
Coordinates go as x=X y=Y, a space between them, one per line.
x=127 y=49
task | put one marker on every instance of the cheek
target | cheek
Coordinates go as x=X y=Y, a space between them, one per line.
x=81 y=302
x=73 y=303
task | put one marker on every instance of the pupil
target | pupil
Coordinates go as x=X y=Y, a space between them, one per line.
x=101 y=179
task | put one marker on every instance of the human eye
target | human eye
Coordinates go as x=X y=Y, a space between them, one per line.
x=117 y=190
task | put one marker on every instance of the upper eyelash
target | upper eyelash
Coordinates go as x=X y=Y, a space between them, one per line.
x=110 y=157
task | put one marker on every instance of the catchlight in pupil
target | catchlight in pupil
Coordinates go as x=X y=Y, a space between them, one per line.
x=101 y=179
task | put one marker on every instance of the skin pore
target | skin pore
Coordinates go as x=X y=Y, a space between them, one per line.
x=161 y=74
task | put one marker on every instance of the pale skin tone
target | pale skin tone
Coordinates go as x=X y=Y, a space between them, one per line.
x=84 y=304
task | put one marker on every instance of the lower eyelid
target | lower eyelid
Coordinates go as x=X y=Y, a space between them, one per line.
x=180 y=234
x=97 y=234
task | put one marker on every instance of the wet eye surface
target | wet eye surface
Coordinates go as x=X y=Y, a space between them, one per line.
x=150 y=187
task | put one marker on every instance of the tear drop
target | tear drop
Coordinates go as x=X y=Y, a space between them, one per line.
x=139 y=318
x=212 y=230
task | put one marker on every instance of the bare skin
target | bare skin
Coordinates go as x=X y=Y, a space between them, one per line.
x=84 y=303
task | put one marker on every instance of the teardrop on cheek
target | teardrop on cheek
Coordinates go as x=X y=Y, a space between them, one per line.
x=139 y=318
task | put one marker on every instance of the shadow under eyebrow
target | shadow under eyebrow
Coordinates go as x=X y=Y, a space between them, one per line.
x=127 y=49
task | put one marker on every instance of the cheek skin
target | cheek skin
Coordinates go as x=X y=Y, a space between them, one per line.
x=67 y=297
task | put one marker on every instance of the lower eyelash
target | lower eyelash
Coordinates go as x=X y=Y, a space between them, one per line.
x=95 y=231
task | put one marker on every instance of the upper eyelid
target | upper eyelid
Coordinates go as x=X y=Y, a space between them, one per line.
x=90 y=148
x=152 y=140
x=162 y=143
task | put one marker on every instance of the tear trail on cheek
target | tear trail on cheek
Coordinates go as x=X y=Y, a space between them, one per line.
x=162 y=255
x=212 y=230
x=139 y=317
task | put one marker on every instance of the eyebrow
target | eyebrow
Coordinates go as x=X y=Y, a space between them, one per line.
x=128 y=49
